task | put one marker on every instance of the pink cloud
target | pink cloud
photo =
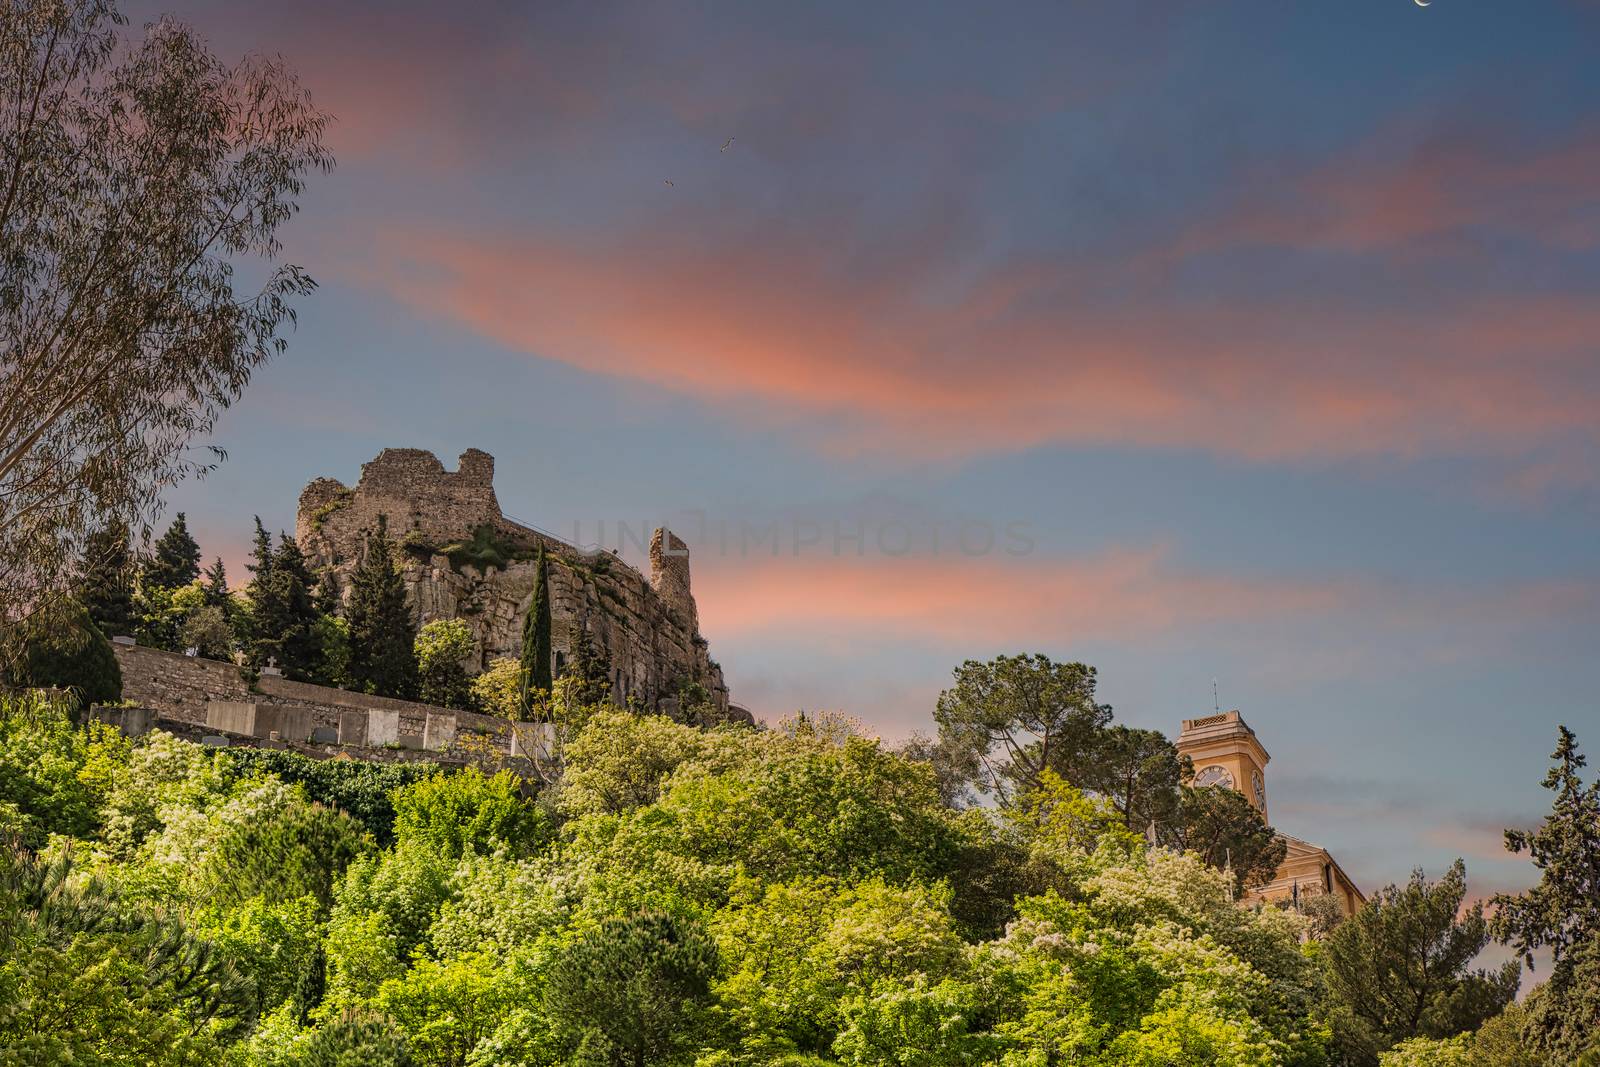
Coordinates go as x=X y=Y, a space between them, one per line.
x=788 y=323
x=1403 y=186
x=966 y=601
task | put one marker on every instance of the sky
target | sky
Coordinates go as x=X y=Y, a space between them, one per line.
x=1247 y=351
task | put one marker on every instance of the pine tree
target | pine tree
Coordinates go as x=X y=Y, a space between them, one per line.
x=106 y=586
x=285 y=617
x=176 y=560
x=261 y=552
x=1562 y=912
x=536 y=635
x=217 y=586
x=1400 y=967
x=382 y=634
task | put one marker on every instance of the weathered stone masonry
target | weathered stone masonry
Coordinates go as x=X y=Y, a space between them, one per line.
x=200 y=697
x=650 y=627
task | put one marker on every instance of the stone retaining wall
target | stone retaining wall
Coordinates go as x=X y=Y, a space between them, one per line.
x=215 y=698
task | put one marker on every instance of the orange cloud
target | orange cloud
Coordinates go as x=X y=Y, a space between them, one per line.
x=983 y=600
x=1402 y=187
x=792 y=323
x=995 y=600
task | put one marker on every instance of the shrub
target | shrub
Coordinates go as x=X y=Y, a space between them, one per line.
x=441 y=646
x=623 y=989
x=362 y=790
x=41 y=755
x=469 y=811
x=65 y=650
x=498 y=690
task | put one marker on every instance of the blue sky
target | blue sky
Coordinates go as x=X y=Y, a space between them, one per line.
x=1273 y=327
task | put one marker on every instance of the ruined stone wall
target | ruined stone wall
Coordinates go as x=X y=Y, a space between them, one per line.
x=211 y=697
x=650 y=628
x=411 y=489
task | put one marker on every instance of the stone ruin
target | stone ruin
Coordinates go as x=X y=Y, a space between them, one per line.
x=649 y=627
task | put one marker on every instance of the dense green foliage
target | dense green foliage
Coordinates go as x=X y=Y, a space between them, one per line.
x=470 y=812
x=1562 y=912
x=498 y=689
x=383 y=657
x=536 y=665
x=676 y=895
x=1009 y=723
x=105 y=581
x=175 y=560
x=1015 y=717
x=216 y=585
x=441 y=647
x=626 y=991
x=66 y=650
x=284 y=615
x=1400 y=968
x=363 y=790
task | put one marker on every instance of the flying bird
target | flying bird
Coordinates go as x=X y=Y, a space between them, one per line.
x=666 y=181
x=725 y=145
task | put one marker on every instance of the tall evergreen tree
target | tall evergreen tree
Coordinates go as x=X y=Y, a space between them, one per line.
x=382 y=633
x=1562 y=912
x=217 y=586
x=536 y=635
x=175 y=561
x=285 y=617
x=327 y=599
x=261 y=552
x=105 y=588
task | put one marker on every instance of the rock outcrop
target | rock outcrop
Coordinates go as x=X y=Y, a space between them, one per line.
x=465 y=560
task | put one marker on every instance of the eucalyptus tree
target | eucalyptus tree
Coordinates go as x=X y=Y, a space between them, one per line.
x=139 y=177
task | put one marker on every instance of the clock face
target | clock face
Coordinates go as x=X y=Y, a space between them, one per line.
x=1214 y=775
x=1259 y=787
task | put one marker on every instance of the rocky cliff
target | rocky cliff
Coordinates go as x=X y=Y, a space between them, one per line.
x=465 y=560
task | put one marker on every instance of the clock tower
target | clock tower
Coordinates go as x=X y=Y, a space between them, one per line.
x=1225 y=752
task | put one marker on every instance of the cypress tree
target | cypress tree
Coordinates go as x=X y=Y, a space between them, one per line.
x=382 y=634
x=176 y=560
x=285 y=617
x=536 y=635
x=106 y=586
x=217 y=586
x=328 y=602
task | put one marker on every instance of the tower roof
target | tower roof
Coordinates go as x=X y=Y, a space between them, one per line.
x=1225 y=732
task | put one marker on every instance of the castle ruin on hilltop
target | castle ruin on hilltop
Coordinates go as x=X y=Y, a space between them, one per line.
x=463 y=559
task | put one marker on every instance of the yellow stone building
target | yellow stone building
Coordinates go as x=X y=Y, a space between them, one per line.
x=1226 y=752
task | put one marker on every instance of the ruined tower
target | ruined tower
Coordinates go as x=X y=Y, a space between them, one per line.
x=669 y=575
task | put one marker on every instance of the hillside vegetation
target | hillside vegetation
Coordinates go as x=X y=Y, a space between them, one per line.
x=792 y=896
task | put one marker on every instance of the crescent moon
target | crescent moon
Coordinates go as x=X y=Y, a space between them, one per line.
x=1424 y=3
